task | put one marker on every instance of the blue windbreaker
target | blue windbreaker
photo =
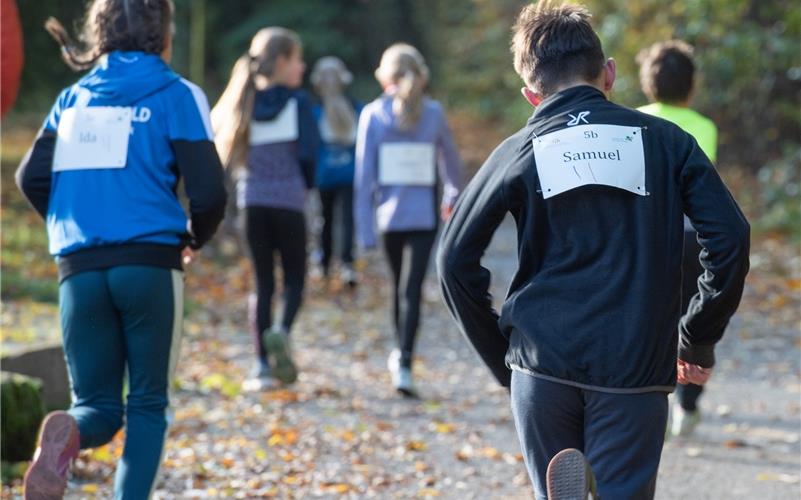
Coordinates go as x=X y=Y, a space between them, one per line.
x=138 y=203
x=336 y=162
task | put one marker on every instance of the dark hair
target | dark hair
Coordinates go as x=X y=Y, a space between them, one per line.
x=555 y=44
x=127 y=25
x=667 y=71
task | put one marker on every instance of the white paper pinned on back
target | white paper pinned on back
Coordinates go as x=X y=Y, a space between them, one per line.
x=282 y=128
x=609 y=155
x=93 y=137
x=407 y=164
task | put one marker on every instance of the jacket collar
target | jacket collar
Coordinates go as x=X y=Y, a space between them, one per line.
x=570 y=97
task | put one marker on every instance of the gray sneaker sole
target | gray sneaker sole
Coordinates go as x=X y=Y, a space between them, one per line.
x=569 y=477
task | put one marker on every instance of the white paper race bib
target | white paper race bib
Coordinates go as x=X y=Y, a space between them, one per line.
x=611 y=155
x=407 y=164
x=282 y=128
x=92 y=138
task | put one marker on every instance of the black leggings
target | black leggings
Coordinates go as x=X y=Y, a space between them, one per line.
x=691 y=269
x=271 y=230
x=408 y=253
x=337 y=202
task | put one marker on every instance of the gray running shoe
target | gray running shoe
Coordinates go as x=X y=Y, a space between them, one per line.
x=683 y=422
x=260 y=378
x=570 y=477
x=348 y=275
x=401 y=376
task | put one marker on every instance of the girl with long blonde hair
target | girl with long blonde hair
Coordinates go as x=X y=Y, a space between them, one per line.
x=264 y=126
x=337 y=116
x=405 y=155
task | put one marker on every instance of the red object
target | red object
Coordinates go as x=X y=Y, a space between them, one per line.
x=11 y=56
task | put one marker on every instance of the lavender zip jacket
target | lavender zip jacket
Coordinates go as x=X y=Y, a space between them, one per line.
x=401 y=207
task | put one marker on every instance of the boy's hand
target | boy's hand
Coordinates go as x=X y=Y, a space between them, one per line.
x=689 y=373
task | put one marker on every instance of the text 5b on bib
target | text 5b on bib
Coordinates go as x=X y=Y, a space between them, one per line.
x=609 y=155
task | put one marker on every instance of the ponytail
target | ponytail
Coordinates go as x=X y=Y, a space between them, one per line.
x=136 y=25
x=407 y=103
x=230 y=117
x=329 y=78
x=404 y=67
x=76 y=58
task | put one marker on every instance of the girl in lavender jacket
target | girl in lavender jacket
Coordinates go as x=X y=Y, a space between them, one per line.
x=404 y=154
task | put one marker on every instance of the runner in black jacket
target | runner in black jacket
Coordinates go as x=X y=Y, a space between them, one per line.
x=586 y=337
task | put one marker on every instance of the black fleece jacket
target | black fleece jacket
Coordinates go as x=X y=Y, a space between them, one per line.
x=596 y=298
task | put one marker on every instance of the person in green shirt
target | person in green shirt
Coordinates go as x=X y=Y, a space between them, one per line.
x=667 y=78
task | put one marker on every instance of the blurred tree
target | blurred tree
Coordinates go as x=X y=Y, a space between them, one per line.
x=748 y=53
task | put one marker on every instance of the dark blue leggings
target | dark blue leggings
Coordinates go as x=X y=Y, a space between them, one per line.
x=620 y=434
x=337 y=202
x=113 y=319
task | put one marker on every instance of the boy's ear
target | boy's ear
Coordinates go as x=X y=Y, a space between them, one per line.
x=532 y=97
x=610 y=72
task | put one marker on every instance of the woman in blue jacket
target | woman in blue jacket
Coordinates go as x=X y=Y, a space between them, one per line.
x=337 y=117
x=103 y=173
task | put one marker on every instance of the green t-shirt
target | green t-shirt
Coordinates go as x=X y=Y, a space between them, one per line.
x=692 y=122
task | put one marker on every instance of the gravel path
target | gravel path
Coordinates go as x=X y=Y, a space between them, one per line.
x=342 y=432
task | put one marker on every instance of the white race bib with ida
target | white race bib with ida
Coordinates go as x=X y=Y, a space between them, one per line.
x=92 y=138
x=407 y=164
x=282 y=128
x=610 y=155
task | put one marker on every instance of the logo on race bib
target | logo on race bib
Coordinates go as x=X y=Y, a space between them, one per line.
x=609 y=155
x=575 y=120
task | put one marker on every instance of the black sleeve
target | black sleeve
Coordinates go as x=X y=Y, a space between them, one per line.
x=309 y=141
x=464 y=282
x=204 y=182
x=34 y=174
x=724 y=234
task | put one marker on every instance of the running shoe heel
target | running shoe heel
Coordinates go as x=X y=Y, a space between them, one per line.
x=569 y=477
x=283 y=368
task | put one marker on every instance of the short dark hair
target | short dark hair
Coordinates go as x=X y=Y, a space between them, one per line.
x=555 y=44
x=667 y=71
x=109 y=25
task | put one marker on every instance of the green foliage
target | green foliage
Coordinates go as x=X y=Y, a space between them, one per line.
x=747 y=52
x=354 y=31
x=471 y=58
x=23 y=411
x=44 y=73
x=780 y=190
x=28 y=268
x=749 y=60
